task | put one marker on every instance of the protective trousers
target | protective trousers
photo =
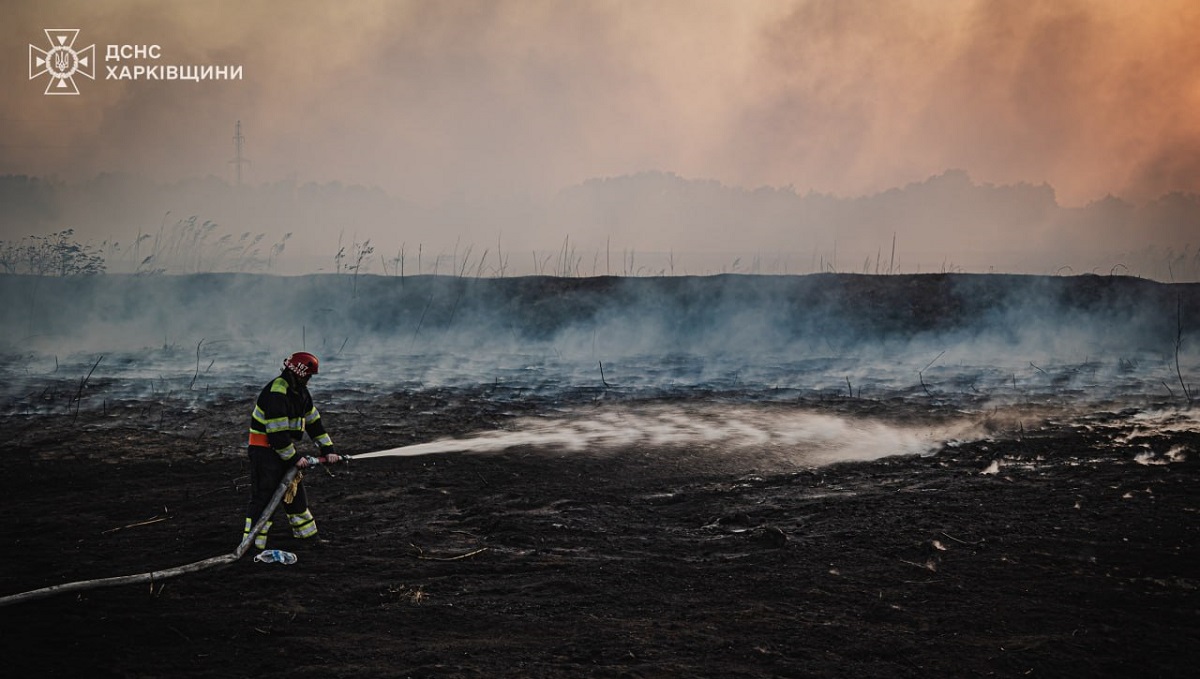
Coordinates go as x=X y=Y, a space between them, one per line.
x=266 y=473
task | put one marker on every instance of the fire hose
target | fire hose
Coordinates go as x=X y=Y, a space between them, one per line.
x=155 y=576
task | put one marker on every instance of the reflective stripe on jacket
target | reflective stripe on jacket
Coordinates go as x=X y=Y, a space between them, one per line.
x=282 y=414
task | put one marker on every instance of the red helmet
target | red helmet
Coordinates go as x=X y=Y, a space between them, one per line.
x=302 y=363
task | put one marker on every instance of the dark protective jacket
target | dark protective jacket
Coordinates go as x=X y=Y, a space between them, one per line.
x=282 y=413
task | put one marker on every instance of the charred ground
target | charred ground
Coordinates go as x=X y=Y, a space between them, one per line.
x=1063 y=541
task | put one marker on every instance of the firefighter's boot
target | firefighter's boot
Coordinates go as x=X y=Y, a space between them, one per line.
x=260 y=540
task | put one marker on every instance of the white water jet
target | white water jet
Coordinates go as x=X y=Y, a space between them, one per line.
x=796 y=436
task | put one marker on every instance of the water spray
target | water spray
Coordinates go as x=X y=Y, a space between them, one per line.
x=796 y=437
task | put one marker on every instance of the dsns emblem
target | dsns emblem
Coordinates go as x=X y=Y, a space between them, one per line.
x=62 y=62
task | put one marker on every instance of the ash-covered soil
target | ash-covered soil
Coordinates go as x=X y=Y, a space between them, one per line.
x=1050 y=546
x=1057 y=536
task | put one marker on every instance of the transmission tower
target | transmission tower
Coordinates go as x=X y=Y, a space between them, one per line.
x=238 y=160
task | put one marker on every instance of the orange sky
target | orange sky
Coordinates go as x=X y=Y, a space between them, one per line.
x=430 y=100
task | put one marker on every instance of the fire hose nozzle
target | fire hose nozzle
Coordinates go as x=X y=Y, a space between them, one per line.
x=313 y=461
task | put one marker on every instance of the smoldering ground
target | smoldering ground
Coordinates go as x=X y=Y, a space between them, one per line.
x=974 y=337
x=766 y=351
x=727 y=476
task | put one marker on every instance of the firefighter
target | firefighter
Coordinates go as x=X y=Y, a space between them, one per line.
x=283 y=412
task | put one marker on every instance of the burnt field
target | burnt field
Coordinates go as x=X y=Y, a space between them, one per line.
x=827 y=476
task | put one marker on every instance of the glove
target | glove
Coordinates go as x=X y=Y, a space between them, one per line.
x=304 y=462
x=332 y=458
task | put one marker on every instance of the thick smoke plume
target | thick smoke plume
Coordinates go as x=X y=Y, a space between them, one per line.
x=477 y=118
x=974 y=337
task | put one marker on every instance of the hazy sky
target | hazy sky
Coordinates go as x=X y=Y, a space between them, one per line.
x=457 y=98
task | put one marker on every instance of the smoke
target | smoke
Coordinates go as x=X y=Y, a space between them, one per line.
x=630 y=139
x=1011 y=91
x=462 y=99
x=974 y=341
